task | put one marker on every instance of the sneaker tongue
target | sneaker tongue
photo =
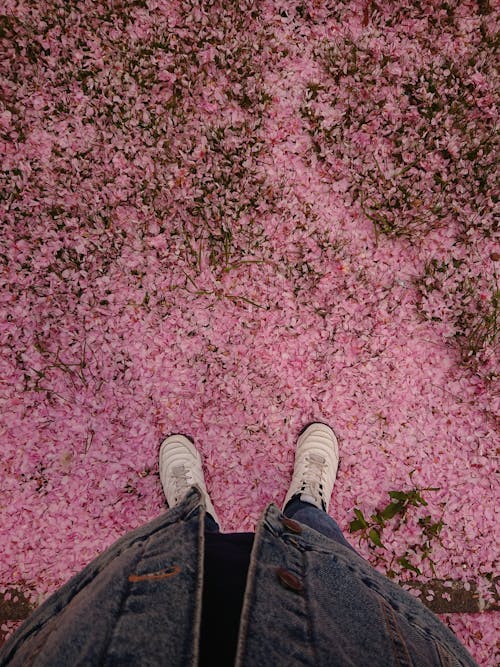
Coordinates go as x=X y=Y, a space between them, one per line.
x=179 y=473
x=306 y=498
x=181 y=484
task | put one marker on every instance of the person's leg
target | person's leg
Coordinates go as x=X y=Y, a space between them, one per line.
x=211 y=525
x=315 y=470
x=312 y=516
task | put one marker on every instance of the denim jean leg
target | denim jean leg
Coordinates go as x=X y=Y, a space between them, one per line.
x=316 y=519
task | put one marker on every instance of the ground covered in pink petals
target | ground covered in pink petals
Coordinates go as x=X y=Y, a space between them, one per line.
x=231 y=219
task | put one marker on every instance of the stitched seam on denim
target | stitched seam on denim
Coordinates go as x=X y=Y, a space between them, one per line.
x=198 y=601
x=310 y=635
x=250 y=591
x=426 y=632
x=423 y=630
x=446 y=660
x=32 y=656
x=126 y=592
x=399 y=649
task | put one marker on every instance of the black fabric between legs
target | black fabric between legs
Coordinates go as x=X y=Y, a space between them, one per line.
x=227 y=557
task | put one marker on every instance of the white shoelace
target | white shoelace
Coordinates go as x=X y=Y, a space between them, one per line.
x=315 y=466
x=181 y=481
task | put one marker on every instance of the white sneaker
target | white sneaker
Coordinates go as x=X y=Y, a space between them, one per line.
x=316 y=465
x=180 y=468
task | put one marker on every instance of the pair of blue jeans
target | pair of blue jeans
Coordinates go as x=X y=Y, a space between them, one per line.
x=305 y=513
